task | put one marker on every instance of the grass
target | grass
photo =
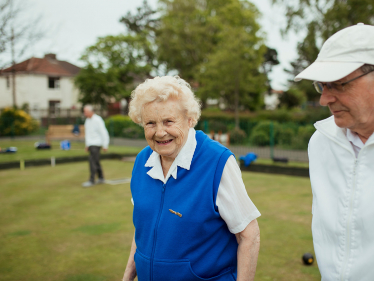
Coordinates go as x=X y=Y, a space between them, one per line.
x=289 y=164
x=27 y=151
x=53 y=229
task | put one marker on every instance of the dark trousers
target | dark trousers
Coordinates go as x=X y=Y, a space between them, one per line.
x=95 y=166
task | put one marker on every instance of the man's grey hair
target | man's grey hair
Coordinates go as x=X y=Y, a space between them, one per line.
x=89 y=107
x=366 y=68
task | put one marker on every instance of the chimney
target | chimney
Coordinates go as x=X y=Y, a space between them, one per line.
x=50 y=56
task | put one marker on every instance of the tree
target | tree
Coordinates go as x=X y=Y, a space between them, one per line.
x=215 y=46
x=231 y=71
x=143 y=25
x=270 y=59
x=113 y=65
x=320 y=19
x=187 y=34
x=293 y=97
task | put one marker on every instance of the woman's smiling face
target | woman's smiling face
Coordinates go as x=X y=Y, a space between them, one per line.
x=166 y=127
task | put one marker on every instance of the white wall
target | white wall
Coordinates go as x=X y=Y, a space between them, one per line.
x=33 y=89
x=5 y=94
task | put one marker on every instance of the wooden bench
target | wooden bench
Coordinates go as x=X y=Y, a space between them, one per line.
x=63 y=132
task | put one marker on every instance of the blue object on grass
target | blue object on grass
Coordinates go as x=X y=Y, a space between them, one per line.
x=65 y=145
x=249 y=158
x=76 y=130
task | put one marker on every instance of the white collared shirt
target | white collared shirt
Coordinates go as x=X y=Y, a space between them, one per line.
x=95 y=132
x=234 y=205
x=355 y=141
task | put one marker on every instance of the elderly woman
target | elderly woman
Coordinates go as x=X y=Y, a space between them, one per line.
x=193 y=218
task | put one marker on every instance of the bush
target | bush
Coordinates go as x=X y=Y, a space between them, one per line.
x=261 y=133
x=133 y=132
x=260 y=138
x=123 y=126
x=16 y=122
x=217 y=126
x=237 y=136
x=303 y=136
x=285 y=136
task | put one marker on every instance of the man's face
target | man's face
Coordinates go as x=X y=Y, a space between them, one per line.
x=88 y=113
x=353 y=107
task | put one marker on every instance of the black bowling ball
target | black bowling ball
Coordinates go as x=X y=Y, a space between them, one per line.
x=308 y=259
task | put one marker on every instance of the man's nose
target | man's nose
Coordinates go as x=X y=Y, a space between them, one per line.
x=326 y=97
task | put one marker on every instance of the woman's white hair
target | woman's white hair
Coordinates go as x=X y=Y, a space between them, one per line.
x=161 y=89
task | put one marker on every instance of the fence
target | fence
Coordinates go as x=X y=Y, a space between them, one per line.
x=267 y=139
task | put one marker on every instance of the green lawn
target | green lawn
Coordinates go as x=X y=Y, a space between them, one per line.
x=26 y=150
x=53 y=229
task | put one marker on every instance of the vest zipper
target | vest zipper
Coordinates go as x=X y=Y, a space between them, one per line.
x=155 y=230
x=348 y=232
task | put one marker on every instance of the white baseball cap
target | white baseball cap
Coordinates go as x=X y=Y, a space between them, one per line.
x=341 y=54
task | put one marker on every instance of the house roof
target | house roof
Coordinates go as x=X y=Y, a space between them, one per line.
x=48 y=65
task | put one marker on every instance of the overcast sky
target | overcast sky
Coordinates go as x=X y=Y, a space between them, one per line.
x=73 y=25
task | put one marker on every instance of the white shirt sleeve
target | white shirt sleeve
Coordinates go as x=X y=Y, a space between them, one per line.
x=103 y=133
x=234 y=205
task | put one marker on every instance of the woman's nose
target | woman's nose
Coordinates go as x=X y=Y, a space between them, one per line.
x=160 y=131
x=326 y=97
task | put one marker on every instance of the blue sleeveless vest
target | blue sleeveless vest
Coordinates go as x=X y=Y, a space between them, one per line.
x=179 y=233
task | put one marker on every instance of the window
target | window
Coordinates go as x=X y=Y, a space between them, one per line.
x=7 y=82
x=54 y=107
x=53 y=82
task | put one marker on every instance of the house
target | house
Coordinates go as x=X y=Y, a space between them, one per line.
x=272 y=100
x=45 y=84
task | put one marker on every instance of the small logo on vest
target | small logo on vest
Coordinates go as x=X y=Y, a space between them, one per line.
x=175 y=213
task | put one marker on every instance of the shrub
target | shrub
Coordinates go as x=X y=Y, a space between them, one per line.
x=261 y=133
x=123 y=126
x=260 y=138
x=237 y=136
x=16 y=122
x=133 y=132
x=217 y=126
x=303 y=136
x=285 y=136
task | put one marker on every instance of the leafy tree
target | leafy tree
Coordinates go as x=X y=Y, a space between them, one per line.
x=231 y=72
x=293 y=97
x=320 y=19
x=187 y=34
x=215 y=45
x=143 y=25
x=113 y=65
x=270 y=59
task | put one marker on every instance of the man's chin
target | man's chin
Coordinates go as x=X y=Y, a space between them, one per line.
x=341 y=122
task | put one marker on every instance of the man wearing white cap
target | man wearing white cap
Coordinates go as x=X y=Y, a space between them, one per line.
x=341 y=156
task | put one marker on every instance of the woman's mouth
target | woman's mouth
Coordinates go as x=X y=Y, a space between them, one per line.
x=166 y=142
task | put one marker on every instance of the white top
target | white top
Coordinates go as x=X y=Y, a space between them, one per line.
x=355 y=141
x=234 y=205
x=95 y=132
x=343 y=208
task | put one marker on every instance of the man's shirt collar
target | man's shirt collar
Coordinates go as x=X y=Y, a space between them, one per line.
x=354 y=139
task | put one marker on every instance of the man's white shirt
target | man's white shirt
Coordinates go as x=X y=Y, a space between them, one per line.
x=355 y=141
x=96 y=133
x=234 y=205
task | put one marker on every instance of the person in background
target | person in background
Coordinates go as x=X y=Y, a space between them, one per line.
x=192 y=215
x=341 y=154
x=96 y=137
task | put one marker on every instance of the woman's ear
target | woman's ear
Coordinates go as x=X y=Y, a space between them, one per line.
x=190 y=122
